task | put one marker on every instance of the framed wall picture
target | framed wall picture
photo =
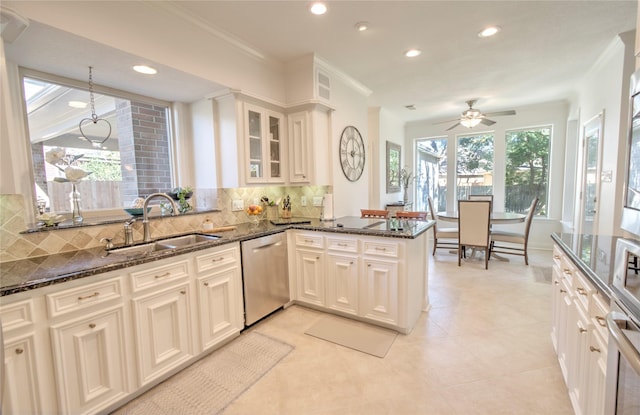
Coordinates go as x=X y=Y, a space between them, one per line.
x=393 y=167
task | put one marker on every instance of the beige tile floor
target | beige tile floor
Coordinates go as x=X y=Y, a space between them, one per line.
x=483 y=348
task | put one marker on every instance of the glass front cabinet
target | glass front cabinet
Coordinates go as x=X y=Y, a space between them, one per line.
x=265 y=145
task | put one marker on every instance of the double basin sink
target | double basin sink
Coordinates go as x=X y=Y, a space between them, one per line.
x=142 y=250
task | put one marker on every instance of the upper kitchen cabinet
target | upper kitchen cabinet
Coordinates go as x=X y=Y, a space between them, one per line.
x=251 y=141
x=264 y=138
x=310 y=144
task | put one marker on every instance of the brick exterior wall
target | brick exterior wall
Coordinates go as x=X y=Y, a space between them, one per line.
x=144 y=149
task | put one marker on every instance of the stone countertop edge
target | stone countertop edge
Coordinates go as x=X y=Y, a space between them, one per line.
x=31 y=273
x=601 y=285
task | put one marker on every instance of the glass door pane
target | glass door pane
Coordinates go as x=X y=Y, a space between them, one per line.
x=255 y=144
x=274 y=146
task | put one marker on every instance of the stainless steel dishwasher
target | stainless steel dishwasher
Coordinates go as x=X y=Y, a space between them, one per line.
x=265 y=276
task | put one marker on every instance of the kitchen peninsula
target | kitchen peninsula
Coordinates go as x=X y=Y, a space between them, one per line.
x=143 y=318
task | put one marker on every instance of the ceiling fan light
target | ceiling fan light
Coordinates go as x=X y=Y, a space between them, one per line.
x=470 y=122
x=412 y=53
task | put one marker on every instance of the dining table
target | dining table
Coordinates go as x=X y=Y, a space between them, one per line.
x=497 y=218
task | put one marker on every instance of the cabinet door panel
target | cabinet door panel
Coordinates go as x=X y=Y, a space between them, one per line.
x=163 y=331
x=218 y=314
x=299 y=168
x=380 y=290
x=342 y=283
x=21 y=388
x=90 y=362
x=309 y=271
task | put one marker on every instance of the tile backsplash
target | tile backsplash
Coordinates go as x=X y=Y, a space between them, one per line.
x=15 y=245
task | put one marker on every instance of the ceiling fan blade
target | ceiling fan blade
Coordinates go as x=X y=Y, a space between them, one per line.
x=500 y=113
x=487 y=121
x=453 y=126
x=446 y=122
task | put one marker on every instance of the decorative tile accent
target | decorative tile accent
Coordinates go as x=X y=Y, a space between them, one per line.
x=15 y=245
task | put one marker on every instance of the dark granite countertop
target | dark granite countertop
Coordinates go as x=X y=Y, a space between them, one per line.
x=32 y=273
x=593 y=255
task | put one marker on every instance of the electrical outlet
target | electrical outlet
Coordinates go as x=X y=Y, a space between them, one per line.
x=237 y=204
x=303 y=201
x=317 y=201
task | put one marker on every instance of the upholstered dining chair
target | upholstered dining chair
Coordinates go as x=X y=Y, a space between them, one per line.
x=403 y=214
x=518 y=241
x=442 y=237
x=474 y=219
x=482 y=197
x=373 y=213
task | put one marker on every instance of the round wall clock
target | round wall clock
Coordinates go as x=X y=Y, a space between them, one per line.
x=351 y=153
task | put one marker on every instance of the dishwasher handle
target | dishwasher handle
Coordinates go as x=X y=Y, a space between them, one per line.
x=265 y=246
x=626 y=348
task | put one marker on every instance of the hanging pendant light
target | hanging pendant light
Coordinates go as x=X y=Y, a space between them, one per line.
x=94 y=120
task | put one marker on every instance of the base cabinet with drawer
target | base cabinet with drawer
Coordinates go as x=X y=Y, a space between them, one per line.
x=361 y=277
x=89 y=345
x=579 y=334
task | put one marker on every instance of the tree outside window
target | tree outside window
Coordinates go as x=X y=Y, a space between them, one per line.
x=527 y=169
x=474 y=167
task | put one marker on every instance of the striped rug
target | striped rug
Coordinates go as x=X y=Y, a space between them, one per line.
x=212 y=383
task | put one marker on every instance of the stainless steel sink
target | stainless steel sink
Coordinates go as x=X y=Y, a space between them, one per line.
x=139 y=251
x=185 y=241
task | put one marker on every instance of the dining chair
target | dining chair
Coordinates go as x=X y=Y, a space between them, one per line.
x=373 y=213
x=450 y=235
x=404 y=214
x=482 y=197
x=474 y=219
x=521 y=239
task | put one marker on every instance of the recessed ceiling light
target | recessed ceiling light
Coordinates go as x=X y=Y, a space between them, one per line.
x=318 y=8
x=489 y=31
x=77 y=104
x=412 y=53
x=147 y=70
x=362 y=26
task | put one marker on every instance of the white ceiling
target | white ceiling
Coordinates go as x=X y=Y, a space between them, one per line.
x=540 y=54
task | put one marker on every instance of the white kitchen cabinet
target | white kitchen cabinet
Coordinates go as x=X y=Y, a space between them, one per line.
x=311 y=278
x=264 y=144
x=219 y=295
x=309 y=142
x=342 y=282
x=579 y=335
x=380 y=290
x=23 y=354
x=162 y=321
x=90 y=361
x=361 y=277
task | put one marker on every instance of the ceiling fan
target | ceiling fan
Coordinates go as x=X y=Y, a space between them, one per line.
x=472 y=117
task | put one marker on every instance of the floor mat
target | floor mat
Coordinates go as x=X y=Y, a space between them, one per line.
x=542 y=274
x=355 y=335
x=211 y=384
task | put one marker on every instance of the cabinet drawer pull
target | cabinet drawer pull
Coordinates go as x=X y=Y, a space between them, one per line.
x=92 y=325
x=594 y=349
x=563 y=291
x=602 y=321
x=183 y=292
x=342 y=244
x=166 y=274
x=556 y=257
x=380 y=249
x=206 y=284
x=19 y=351
x=351 y=263
x=95 y=294
x=582 y=330
x=566 y=271
x=581 y=291
x=556 y=282
x=308 y=241
x=217 y=259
